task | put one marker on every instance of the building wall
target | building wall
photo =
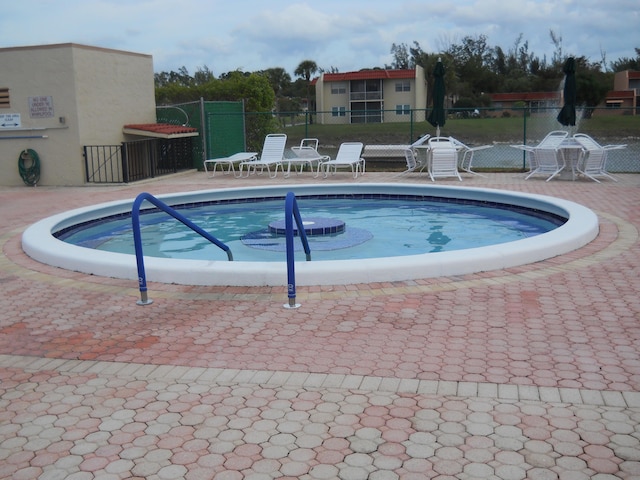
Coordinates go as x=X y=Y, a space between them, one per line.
x=416 y=97
x=621 y=80
x=325 y=101
x=88 y=94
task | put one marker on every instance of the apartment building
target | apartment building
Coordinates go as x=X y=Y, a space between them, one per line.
x=371 y=96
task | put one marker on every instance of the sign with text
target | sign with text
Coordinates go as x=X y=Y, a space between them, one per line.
x=10 y=120
x=41 y=107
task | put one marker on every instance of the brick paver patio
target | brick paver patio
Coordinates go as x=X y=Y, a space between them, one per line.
x=531 y=372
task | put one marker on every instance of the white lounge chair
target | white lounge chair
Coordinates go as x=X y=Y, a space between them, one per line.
x=466 y=153
x=306 y=154
x=443 y=158
x=594 y=157
x=391 y=150
x=272 y=156
x=230 y=161
x=348 y=156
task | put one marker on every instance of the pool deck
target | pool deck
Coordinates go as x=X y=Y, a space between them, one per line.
x=529 y=372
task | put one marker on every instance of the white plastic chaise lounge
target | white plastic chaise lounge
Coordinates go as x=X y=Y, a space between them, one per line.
x=348 y=156
x=443 y=158
x=392 y=150
x=231 y=161
x=466 y=154
x=305 y=154
x=272 y=156
x=594 y=158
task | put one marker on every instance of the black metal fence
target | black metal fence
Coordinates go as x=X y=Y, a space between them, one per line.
x=494 y=126
x=137 y=160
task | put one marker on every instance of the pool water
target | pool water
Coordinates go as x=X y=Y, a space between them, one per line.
x=373 y=228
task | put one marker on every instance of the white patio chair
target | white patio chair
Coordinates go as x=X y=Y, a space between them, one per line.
x=231 y=161
x=272 y=156
x=348 y=156
x=594 y=157
x=412 y=163
x=553 y=139
x=443 y=158
x=549 y=161
x=466 y=154
x=305 y=154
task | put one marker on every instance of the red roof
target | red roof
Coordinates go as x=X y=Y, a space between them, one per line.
x=370 y=75
x=162 y=130
x=621 y=94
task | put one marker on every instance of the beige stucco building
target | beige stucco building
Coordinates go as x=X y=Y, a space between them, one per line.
x=371 y=96
x=55 y=99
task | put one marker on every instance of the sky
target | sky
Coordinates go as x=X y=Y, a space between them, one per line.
x=346 y=35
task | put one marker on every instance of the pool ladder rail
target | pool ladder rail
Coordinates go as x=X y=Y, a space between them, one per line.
x=137 y=238
x=292 y=213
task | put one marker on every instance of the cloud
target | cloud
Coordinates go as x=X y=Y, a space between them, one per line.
x=255 y=35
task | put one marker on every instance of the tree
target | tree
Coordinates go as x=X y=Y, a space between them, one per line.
x=592 y=84
x=278 y=78
x=305 y=70
x=203 y=75
x=401 y=59
x=556 y=39
x=181 y=77
x=418 y=56
x=623 y=64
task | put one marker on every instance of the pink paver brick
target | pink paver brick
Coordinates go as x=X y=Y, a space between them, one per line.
x=568 y=323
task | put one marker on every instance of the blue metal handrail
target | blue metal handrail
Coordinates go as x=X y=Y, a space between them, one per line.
x=291 y=211
x=137 y=237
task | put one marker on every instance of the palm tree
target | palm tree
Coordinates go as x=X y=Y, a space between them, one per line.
x=278 y=78
x=305 y=70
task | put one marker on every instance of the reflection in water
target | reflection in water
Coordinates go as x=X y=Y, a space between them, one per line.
x=437 y=239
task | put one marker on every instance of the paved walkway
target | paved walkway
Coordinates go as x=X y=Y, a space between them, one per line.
x=531 y=372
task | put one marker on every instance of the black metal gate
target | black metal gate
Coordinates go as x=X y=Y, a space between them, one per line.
x=137 y=160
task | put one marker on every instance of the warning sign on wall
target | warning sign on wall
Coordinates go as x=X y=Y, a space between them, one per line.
x=41 y=107
x=10 y=120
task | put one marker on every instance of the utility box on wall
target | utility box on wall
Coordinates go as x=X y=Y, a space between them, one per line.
x=54 y=99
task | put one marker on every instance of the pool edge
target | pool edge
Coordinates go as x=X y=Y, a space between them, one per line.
x=581 y=228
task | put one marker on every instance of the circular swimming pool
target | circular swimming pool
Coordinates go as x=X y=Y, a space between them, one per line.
x=345 y=227
x=40 y=240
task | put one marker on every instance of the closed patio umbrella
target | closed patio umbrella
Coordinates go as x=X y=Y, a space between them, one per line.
x=567 y=115
x=437 y=116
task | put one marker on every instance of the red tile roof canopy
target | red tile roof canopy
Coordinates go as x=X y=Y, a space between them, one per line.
x=377 y=74
x=160 y=130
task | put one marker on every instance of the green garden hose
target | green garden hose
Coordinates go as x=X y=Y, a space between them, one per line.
x=29 y=166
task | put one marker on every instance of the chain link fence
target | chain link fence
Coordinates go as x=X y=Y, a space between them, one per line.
x=499 y=128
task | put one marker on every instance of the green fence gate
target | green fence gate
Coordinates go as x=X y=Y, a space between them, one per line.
x=221 y=126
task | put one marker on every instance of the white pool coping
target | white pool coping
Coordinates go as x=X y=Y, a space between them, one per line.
x=582 y=227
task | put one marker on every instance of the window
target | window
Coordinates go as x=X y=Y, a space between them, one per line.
x=403 y=109
x=404 y=86
x=338 y=111
x=366 y=112
x=338 y=89
x=4 y=98
x=366 y=90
